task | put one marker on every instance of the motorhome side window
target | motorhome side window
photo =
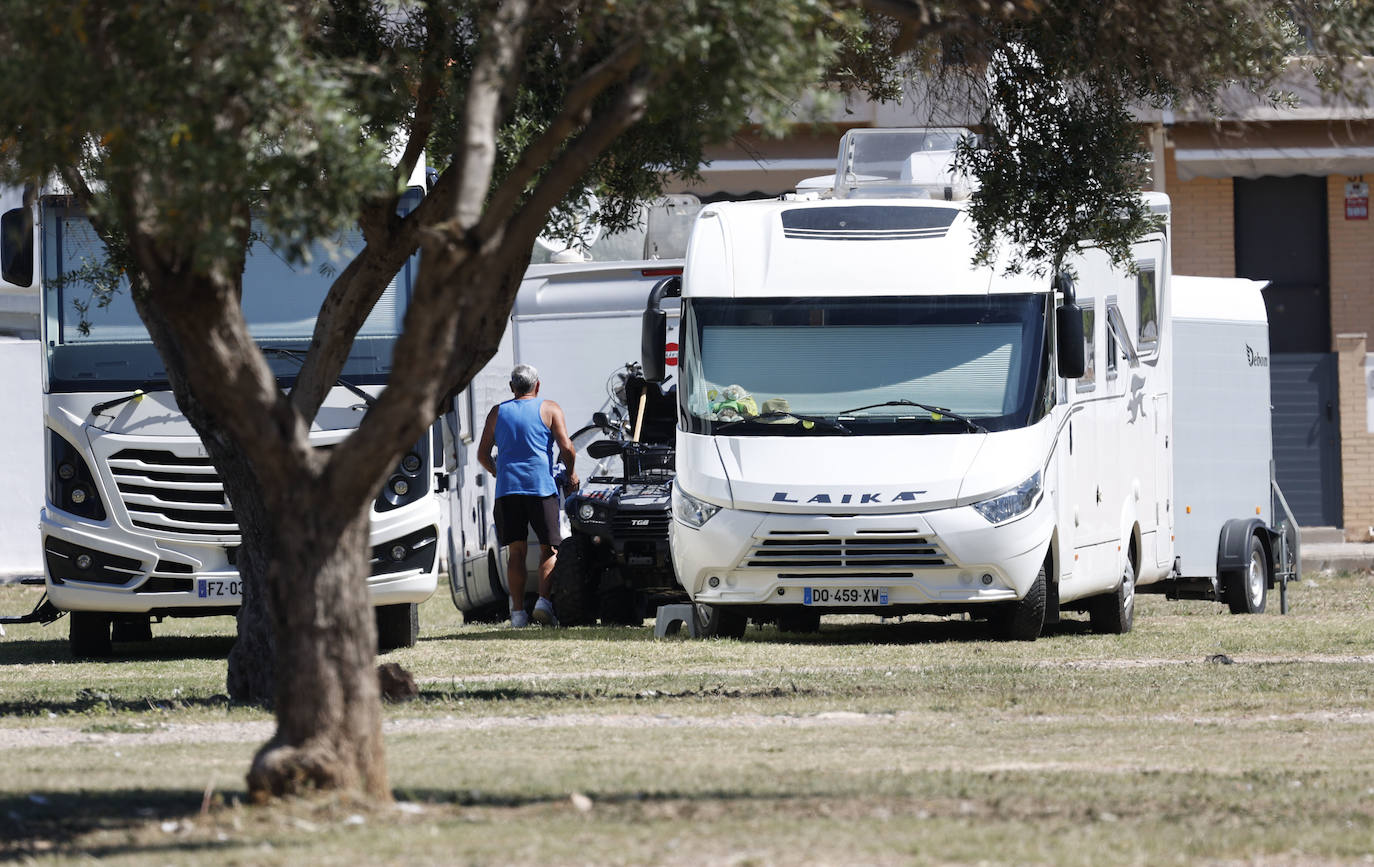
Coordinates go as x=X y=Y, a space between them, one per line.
x=1147 y=296
x=1112 y=351
x=1088 y=380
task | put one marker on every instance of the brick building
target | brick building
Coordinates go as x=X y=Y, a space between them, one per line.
x=1266 y=193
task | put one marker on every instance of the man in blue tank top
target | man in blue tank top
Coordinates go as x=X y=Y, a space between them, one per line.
x=524 y=431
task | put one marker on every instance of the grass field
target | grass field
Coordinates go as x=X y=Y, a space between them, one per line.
x=1198 y=738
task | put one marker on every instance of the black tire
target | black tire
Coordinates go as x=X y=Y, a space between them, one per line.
x=494 y=612
x=1023 y=619
x=719 y=621
x=1247 y=590
x=90 y=635
x=622 y=606
x=132 y=629
x=574 y=592
x=397 y=626
x=1114 y=613
x=804 y=620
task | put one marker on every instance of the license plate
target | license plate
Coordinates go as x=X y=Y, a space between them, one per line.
x=844 y=596
x=228 y=589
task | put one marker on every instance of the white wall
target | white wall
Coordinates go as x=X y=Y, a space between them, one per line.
x=21 y=457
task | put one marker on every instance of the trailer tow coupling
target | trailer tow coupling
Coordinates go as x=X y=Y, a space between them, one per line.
x=44 y=612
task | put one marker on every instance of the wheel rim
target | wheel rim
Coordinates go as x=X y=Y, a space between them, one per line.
x=1254 y=579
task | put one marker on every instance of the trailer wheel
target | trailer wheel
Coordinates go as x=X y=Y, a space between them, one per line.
x=90 y=635
x=804 y=620
x=1023 y=619
x=1114 y=613
x=719 y=621
x=397 y=626
x=1248 y=588
x=573 y=594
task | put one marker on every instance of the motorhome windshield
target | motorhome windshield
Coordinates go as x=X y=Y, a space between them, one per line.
x=96 y=342
x=863 y=366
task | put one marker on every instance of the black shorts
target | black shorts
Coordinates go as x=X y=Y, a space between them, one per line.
x=516 y=513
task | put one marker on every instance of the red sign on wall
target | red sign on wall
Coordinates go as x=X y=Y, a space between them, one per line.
x=670 y=354
x=1357 y=200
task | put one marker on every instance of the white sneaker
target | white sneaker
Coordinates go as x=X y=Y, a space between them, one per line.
x=519 y=619
x=543 y=613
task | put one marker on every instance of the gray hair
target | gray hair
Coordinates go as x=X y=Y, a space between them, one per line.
x=524 y=378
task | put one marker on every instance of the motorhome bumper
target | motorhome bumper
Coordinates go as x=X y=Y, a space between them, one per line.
x=88 y=570
x=946 y=557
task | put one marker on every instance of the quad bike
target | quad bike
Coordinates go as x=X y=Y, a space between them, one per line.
x=615 y=565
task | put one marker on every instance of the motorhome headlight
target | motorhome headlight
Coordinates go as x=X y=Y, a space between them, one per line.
x=1013 y=503
x=71 y=485
x=407 y=483
x=691 y=511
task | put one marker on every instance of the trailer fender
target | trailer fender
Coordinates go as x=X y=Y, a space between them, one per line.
x=1233 y=548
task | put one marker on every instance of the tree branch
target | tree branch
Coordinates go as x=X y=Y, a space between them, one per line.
x=601 y=130
x=491 y=74
x=574 y=115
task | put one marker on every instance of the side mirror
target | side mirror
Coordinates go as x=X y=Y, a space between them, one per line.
x=16 y=247
x=604 y=448
x=1069 y=327
x=600 y=420
x=653 y=338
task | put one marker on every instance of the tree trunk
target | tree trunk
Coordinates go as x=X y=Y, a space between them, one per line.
x=252 y=660
x=328 y=706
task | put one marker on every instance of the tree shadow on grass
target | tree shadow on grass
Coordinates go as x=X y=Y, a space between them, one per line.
x=909 y=630
x=87 y=699
x=48 y=823
x=57 y=650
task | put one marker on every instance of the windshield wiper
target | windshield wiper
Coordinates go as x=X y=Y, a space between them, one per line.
x=933 y=410
x=814 y=419
x=300 y=361
x=111 y=404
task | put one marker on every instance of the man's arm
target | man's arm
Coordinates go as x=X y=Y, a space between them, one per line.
x=566 y=453
x=488 y=442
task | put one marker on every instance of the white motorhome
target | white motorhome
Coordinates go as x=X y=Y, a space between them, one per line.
x=870 y=423
x=577 y=320
x=136 y=526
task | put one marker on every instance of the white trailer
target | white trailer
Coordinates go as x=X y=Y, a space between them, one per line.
x=1223 y=449
x=578 y=323
x=870 y=423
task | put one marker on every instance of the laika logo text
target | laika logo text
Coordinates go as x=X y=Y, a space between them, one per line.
x=1254 y=358
x=860 y=498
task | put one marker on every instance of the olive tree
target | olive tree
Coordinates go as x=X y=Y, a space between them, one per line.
x=180 y=126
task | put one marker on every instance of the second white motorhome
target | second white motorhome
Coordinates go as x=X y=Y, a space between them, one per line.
x=870 y=423
x=577 y=320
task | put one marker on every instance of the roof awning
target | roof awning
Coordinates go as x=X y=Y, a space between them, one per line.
x=1282 y=162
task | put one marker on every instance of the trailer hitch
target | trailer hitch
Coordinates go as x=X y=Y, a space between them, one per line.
x=44 y=612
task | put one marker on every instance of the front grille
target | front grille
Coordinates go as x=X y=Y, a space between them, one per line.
x=172 y=495
x=786 y=550
x=640 y=525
